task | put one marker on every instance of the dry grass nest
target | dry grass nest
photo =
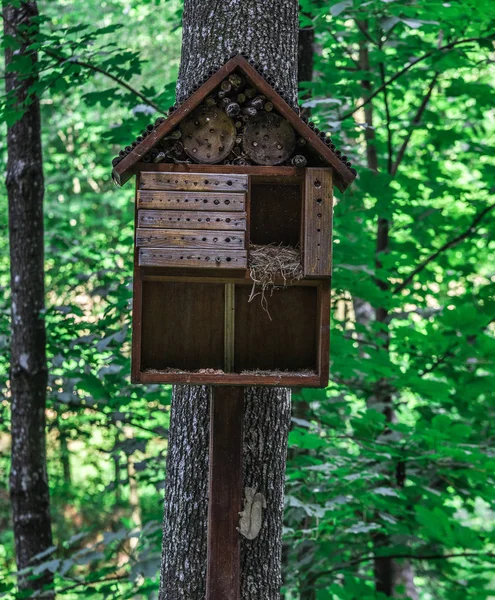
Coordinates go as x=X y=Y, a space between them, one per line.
x=272 y=267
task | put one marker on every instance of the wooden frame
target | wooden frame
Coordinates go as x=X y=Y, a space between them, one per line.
x=304 y=379
x=151 y=239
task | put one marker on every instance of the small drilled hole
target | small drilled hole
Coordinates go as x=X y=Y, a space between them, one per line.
x=317 y=183
x=227 y=240
x=229 y=182
x=228 y=259
x=319 y=200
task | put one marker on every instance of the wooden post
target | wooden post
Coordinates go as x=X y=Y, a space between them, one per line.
x=225 y=493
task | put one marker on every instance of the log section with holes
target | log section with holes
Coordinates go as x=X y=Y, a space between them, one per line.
x=192 y=220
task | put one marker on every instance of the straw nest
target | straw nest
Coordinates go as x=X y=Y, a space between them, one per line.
x=272 y=267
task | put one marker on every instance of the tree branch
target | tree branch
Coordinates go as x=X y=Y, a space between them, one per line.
x=63 y=60
x=372 y=557
x=451 y=243
x=75 y=61
x=389 y=121
x=406 y=69
x=414 y=123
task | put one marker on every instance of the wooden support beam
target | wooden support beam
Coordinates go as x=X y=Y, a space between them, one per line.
x=229 y=327
x=225 y=493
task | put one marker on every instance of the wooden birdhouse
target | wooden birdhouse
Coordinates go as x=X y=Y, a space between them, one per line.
x=233 y=238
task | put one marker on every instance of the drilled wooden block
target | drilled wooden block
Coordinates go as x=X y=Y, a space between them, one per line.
x=318 y=206
x=215 y=201
x=189 y=238
x=183 y=219
x=187 y=258
x=219 y=182
x=208 y=135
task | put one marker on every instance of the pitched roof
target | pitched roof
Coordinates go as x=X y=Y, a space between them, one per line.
x=125 y=166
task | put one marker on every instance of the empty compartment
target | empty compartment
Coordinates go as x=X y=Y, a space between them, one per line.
x=276 y=214
x=285 y=343
x=182 y=326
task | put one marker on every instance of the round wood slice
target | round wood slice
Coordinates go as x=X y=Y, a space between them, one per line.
x=208 y=135
x=269 y=139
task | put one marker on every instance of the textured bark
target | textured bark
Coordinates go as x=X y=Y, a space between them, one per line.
x=28 y=377
x=183 y=571
x=214 y=31
x=266 y=427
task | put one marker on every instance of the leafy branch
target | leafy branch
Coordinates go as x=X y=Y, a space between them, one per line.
x=408 y=67
x=417 y=118
x=62 y=60
x=73 y=60
x=450 y=244
x=363 y=559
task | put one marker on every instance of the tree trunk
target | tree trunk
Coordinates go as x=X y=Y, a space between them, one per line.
x=65 y=458
x=28 y=377
x=388 y=574
x=211 y=34
x=134 y=505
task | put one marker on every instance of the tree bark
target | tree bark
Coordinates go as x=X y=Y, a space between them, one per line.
x=28 y=377
x=65 y=457
x=211 y=34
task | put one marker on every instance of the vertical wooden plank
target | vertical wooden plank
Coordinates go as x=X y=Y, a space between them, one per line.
x=225 y=493
x=318 y=203
x=248 y=213
x=229 y=329
x=323 y=334
x=137 y=292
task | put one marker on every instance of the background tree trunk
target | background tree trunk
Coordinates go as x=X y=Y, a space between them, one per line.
x=28 y=378
x=211 y=34
x=389 y=574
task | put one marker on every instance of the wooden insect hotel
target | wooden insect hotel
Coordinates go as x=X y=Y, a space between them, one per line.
x=233 y=238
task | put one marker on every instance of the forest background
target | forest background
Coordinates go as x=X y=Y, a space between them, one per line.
x=413 y=480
